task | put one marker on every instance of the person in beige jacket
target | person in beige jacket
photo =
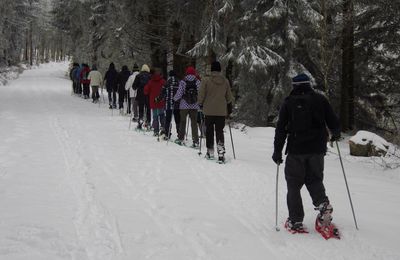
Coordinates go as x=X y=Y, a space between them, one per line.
x=216 y=98
x=96 y=81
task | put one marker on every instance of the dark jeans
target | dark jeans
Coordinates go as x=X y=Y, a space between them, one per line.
x=158 y=119
x=121 y=99
x=144 y=104
x=86 y=90
x=168 y=119
x=217 y=124
x=112 y=97
x=128 y=109
x=78 y=88
x=305 y=169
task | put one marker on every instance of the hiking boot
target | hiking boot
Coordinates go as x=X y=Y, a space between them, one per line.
x=294 y=227
x=325 y=213
x=195 y=145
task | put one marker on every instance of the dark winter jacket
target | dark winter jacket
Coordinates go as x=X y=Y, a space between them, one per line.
x=313 y=140
x=111 y=78
x=153 y=90
x=169 y=91
x=122 y=78
x=140 y=81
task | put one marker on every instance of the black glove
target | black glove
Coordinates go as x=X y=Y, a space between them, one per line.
x=157 y=99
x=335 y=137
x=277 y=158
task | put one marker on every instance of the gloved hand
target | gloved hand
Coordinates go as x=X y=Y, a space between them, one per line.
x=277 y=158
x=157 y=99
x=335 y=137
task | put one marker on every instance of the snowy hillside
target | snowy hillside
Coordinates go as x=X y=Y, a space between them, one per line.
x=75 y=183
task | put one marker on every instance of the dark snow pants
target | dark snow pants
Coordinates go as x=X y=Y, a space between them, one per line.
x=217 y=124
x=168 y=119
x=305 y=169
x=112 y=97
x=144 y=107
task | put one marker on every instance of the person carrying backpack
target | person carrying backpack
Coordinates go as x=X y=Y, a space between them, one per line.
x=111 y=85
x=132 y=93
x=153 y=90
x=85 y=81
x=171 y=107
x=143 y=100
x=216 y=98
x=187 y=94
x=96 y=81
x=121 y=81
x=303 y=120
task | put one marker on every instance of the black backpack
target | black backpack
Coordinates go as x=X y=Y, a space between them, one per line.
x=302 y=114
x=190 y=95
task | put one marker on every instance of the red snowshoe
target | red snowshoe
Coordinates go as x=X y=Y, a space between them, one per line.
x=323 y=223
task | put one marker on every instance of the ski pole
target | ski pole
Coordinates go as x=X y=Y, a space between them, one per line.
x=276 y=199
x=201 y=133
x=347 y=186
x=187 y=126
x=233 y=147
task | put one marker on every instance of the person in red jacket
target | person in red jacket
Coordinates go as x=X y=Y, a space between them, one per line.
x=157 y=106
x=85 y=81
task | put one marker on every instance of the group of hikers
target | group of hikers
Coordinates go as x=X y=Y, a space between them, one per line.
x=154 y=101
x=304 y=118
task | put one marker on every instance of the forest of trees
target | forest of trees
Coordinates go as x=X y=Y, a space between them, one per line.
x=350 y=48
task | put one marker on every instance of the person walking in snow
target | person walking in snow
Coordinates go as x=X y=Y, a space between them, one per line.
x=303 y=120
x=187 y=95
x=171 y=107
x=132 y=93
x=72 y=72
x=111 y=85
x=216 y=98
x=121 y=81
x=85 y=81
x=96 y=81
x=153 y=90
x=143 y=101
x=77 y=78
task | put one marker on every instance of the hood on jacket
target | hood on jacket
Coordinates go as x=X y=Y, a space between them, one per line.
x=145 y=67
x=124 y=68
x=156 y=76
x=217 y=78
x=112 y=66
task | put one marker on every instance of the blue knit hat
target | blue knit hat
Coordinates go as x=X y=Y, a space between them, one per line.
x=301 y=79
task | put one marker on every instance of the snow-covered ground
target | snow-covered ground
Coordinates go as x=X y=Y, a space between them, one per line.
x=75 y=183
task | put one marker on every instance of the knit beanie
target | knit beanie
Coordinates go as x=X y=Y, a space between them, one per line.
x=135 y=67
x=215 y=66
x=301 y=79
x=191 y=71
x=145 y=68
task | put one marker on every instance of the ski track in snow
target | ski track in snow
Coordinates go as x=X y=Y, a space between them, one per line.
x=135 y=198
x=96 y=227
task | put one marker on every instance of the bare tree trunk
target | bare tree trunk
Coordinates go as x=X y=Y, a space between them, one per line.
x=347 y=82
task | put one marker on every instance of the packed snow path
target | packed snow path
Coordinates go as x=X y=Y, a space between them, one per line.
x=75 y=183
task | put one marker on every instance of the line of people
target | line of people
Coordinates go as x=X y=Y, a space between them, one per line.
x=154 y=102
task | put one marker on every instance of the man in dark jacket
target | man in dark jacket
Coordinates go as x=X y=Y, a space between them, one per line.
x=171 y=107
x=143 y=100
x=111 y=85
x=216 y=98
x=303 y=119
x=121 y=80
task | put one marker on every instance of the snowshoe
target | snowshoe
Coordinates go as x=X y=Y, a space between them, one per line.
x=327 y=231
x=221 y=159
x=179 y=142
x=295 y=227
x=323 y=223
x=195 y=145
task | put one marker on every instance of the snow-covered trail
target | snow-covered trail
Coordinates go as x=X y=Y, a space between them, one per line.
x=75 y=183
